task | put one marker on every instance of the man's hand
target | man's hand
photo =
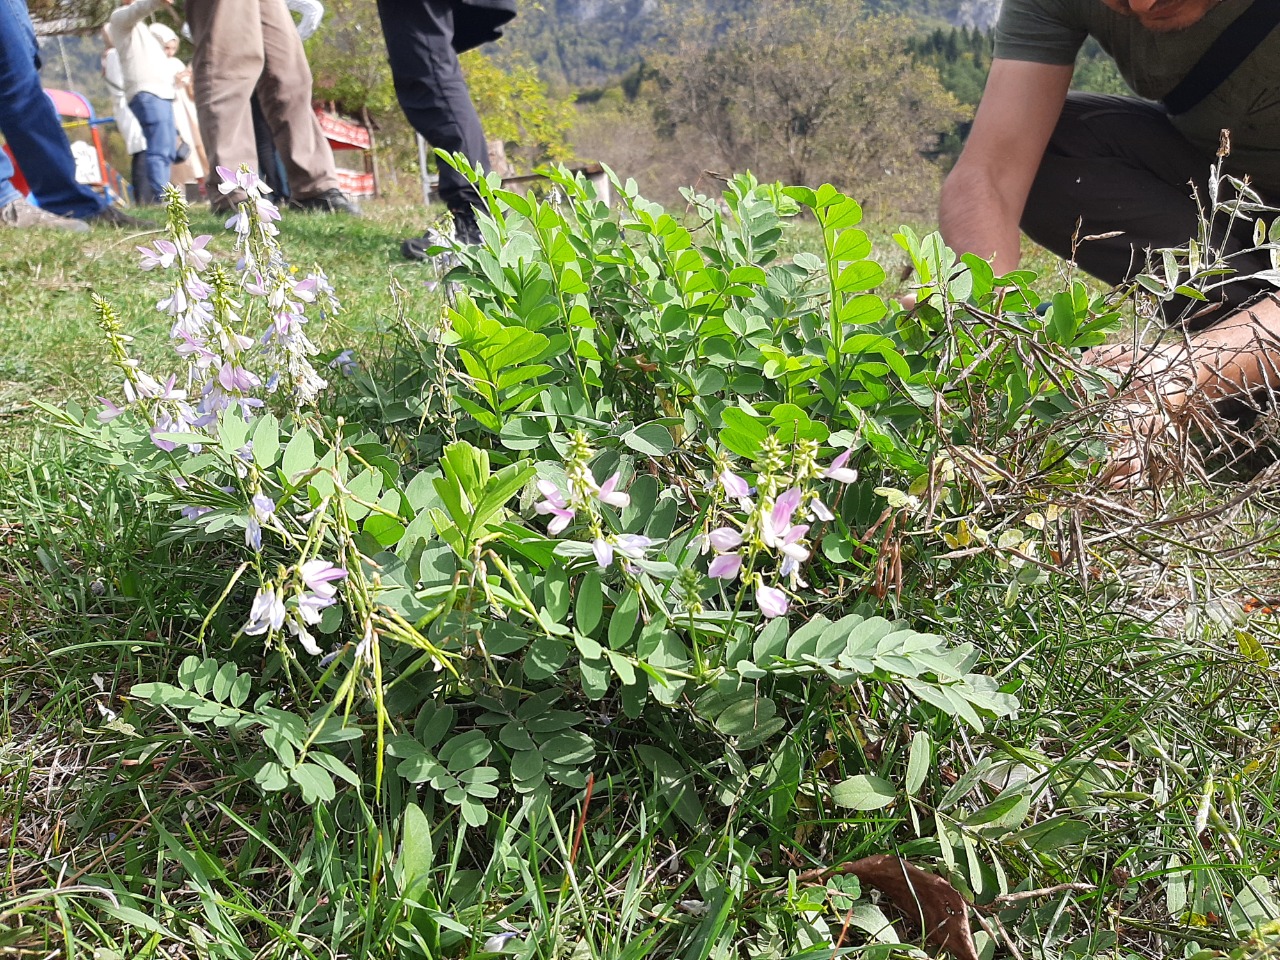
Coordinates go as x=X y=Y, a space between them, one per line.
x=1235 y=359
x=983 y=197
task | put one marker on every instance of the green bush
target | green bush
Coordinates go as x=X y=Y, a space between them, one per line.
x=640 y=508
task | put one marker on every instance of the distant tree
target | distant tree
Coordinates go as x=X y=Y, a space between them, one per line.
x=69 y=16
x=518 y=109
x=813 y=90
x=349 y=65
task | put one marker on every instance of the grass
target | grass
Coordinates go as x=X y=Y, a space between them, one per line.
x=1149 y=732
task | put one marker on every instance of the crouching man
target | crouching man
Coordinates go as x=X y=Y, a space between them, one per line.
x=1061 y=166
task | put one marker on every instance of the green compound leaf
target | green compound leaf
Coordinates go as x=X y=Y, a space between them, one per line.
x=315 y=781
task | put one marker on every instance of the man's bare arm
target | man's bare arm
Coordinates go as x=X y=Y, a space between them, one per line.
x=983 y=197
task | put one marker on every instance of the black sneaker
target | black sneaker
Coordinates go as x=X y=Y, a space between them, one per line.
x=419 y=248
x=466 y=232
x=465 y=228
x=111 y=216
x=332 y=200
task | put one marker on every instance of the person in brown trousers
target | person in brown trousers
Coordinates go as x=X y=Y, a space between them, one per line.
x=247 y=45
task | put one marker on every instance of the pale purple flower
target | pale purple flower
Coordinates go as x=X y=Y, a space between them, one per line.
x=820 y=511
x=109 y=411
x=161 y=255
x=197 y=256
x=267 y=211
x=236 y=378
x=232 y=342
x=176 y=303
x=263 y=507
x=196 y=288
x=146 y=385
x=312 y=605
x=791 y=545
x=305 y=289
x=724 y=539
x=169 y=391
x=775 y=526
x=195 y=513
x=632 y=545
x=838 y=471
x=238 y=221
x=629 y=545
x=497 y=943
x=320 y=575
x=345 y=363
x=734 y=485
x=555 y=505
x=163 y=424
x=608 y=493
x=267 y=612
x=771 y=601
x=253 y=534
x=304 y=637
x=726 y=566
x=195 y=351
x=243 y=178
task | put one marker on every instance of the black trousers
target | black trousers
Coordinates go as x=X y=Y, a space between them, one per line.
x=431 y=88
x=1117 y=163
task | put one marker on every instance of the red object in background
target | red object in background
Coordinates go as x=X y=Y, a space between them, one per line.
x=77 y=112
x=344 y=134
x=18 y=180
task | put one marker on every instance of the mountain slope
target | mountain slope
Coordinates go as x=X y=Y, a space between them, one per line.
x=594 y=41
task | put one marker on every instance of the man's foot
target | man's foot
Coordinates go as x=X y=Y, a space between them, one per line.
x=466 y=232
x=19 y=213
x=420 y=248
x=110 y=216
x=465 y=228
x=331 y=201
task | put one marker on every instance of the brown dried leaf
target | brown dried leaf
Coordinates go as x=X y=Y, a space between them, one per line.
x=930 y=899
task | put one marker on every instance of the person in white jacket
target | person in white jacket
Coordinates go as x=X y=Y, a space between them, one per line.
x=148 y=84
x=135 y=143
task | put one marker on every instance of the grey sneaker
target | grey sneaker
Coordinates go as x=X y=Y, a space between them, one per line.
x=20 y=214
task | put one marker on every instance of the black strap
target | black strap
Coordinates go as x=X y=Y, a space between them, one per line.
x=1231 y=49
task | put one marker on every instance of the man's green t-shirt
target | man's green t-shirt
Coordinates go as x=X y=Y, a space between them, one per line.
x=1247 y=103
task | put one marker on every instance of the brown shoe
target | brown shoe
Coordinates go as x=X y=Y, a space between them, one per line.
x=20 y=214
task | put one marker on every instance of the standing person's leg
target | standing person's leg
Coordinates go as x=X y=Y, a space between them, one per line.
x=285 y=94
x=269 y=165
x=1118 y=164
x=226 y=66
x=155 y=115
x=16 y=212
x=138 y=172
x=31 y=125
x=432 y=90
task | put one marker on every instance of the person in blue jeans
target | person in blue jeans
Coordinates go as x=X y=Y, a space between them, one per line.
x=34 y=133
x=148 y=85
